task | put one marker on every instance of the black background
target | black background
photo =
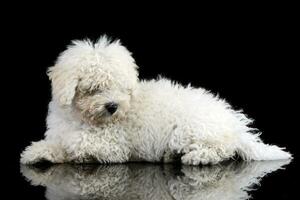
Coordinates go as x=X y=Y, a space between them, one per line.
x=248 y=58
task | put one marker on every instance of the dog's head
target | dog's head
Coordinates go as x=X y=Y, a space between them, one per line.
x=95 y=79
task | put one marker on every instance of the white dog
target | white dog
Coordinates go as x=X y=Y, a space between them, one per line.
x=101 y=112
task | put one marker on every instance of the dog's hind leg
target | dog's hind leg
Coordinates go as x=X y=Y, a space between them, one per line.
x=195 y=148
x=42 y=151
x=205 y=153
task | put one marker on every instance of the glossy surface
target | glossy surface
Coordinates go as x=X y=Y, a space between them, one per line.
x=231 y=180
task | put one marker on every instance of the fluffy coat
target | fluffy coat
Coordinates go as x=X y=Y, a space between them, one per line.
x=156 y=120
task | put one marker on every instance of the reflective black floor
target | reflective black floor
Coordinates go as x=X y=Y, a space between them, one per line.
x=234 y=180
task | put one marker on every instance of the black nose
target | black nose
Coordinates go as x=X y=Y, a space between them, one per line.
x=111 y=107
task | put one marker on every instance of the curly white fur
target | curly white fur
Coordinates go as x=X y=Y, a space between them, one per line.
x=156 y=120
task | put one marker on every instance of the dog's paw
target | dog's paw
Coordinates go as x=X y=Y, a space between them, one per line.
x=39 y=152
x=28 y=157
x=195 y=155
x=200 y=157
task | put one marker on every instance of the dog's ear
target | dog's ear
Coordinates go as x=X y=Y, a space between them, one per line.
x=64 y=83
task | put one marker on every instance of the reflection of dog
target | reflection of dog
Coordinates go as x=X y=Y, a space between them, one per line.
x=137 y=181
x=101 y=112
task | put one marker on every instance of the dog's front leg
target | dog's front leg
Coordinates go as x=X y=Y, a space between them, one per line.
x=113 y=153
x=89 y=149
x=101 y=153
x=42 y=151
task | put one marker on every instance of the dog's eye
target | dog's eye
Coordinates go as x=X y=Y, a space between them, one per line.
x=93 y=92
x=98 y=91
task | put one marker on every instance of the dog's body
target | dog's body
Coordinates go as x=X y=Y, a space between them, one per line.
x=101 y=112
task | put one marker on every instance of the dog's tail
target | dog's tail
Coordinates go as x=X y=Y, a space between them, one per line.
x=252 y=148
